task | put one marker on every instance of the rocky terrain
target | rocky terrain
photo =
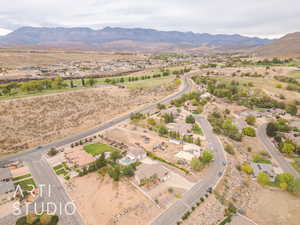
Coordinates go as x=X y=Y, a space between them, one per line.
x=34 y=121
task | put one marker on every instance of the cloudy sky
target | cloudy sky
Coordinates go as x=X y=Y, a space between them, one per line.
x=263 y=18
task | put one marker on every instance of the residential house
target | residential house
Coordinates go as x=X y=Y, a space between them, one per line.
x=186 y=156
x=193 y=149
x=173 y=111
x=151 y=171
x=134 y=154
x=184 y=129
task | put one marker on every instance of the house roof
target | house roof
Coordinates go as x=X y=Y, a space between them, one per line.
x=182 y=128
x=185 y=155
x=136 y=151
x=191 y=147
x=148 y=170
x=5 y=173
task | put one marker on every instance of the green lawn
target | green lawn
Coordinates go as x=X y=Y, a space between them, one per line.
x=197 y=130
x=98 y=148
x=26 y=184
x=150 y=82
x=21 y=177
x=58 y=167
x=61 y=171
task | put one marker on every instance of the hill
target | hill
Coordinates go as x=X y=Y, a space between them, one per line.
x=121 y=38
x=287 y=46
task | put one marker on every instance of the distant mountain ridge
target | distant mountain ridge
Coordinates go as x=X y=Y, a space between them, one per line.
x=96 y=39
x=287 y=46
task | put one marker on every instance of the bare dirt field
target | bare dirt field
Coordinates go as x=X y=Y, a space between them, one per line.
x=104 y=202
x=274 y=207
x=33 y=121
x=17 y=57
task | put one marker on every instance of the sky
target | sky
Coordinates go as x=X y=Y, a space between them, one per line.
x=261 y=18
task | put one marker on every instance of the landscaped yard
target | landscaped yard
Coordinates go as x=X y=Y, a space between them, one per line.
x=98 y=148
x=26 y=184
x=21 y=177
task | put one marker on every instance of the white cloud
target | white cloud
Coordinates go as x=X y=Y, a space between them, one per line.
x=4 y=31
x=265 y=18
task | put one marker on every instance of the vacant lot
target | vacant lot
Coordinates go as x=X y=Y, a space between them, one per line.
x=17 y=57
x=34 y=121
x=274 y=207
x=102 y=201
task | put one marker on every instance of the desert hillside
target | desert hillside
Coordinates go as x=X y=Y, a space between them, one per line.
x=34 y=121
x=287 y=46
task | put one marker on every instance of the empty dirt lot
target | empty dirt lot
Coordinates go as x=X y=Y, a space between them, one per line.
x=34 y=121
x=104 y=202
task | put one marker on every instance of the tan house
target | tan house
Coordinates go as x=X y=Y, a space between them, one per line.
x=134 y=154
x=182 y=128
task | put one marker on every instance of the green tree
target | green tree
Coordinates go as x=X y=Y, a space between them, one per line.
x=82 y=82
x=190 y=119
x=207 y=157
x=114 y=173
x=71 y=84
x=288 y=147
x=162 y=130
x=101 y=161
x=115 y=155
x=284 y=180
x=168 y=118
x=196 y=164
x=247 y=168
x=91 y=81
x=57 y=83
x=161 y=106
x=249 y=131
x=151 y=121
x=263 y=179
x=128 y=171
x=251 y=120
x=229 y=149
x=291 y=109
x=272 y=129
x=294 y=186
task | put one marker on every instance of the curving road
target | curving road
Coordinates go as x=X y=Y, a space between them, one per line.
x=174 y=213
x=44 y=175
x=285 y=166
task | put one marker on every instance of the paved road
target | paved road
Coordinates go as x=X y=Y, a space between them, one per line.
x=285 y=166
x=43 y=174
x=191 y=197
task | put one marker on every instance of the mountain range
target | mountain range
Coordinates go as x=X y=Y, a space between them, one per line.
x=287 y=46
x=110 y=38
